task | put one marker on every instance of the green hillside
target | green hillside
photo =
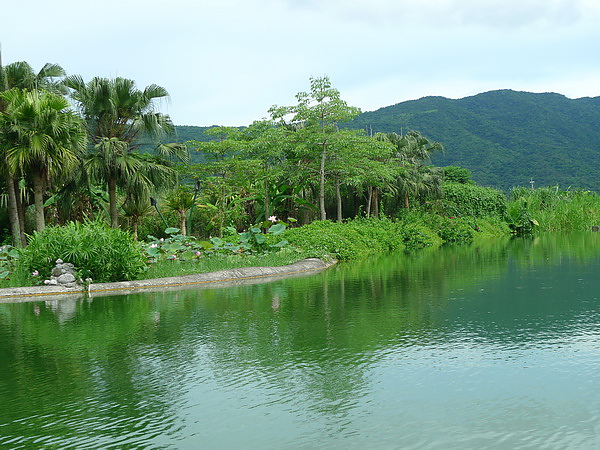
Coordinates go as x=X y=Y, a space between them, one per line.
x=506 y=137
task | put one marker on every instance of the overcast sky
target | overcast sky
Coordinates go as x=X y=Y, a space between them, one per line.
x=226 y=62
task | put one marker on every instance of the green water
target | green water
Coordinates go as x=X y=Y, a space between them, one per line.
x=490 y=346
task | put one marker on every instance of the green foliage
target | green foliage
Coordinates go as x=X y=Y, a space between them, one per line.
x=456 y=231
x=490 y=227
x=152 y=225
x=105 y=254
x=556 y=209
x=470 y=200
x=347 y=241
x=8 y=257
x=520 y=220
x=416 y=236
x=177 y=247
x=455 y=174
x=326 y=239
x=256 y=241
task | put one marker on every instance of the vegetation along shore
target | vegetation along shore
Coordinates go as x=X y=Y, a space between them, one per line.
x=106 y=186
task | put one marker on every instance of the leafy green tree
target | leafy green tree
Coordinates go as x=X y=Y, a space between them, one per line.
x=225 y=176
x=314 y=122
x=116 y=113
x=265 y=143
x=455 y=174
x=42 y=137
x=361 y=161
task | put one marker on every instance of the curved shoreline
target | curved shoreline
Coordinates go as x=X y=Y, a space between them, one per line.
x=221 y=278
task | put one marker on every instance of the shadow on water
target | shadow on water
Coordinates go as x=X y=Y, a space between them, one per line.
x=157 y=368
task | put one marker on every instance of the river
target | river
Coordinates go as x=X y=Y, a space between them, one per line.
x=495 y=345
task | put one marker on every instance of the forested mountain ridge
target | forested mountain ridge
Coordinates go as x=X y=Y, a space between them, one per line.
x=505 y=137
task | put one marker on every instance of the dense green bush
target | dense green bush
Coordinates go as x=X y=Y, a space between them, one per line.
x=455 y=174
x=363 y=236
x=456 y=231
x=416 y=236
x=96 y=250
x=326 y=239
x=471 y=200
x=346 y=241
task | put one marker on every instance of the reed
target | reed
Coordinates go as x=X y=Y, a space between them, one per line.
x=556 y=209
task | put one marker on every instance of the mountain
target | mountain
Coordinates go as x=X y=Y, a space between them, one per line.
x=506 y=138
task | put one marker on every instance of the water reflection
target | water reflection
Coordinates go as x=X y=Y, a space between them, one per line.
x=460 y=347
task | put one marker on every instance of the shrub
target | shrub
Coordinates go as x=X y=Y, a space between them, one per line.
x=96 y=250
x=153 y=224
x=456 y=231
x=416 y=236
x=455 y=174
x=474 y=201
x=360 y=237
x=8 y=257
x=325 y=238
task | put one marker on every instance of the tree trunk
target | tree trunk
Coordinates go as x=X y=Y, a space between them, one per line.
x=406 y=203
x=267 y=215
x=20 y=212
x=376 y=202
x=338 y=197
x=13 y=211
x=322 y=183
x=38 y=200
x=182 y=222
x=369 y=199
x=134 y=225
x=112 y=202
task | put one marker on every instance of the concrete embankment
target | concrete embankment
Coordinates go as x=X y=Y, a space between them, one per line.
x=222 y=278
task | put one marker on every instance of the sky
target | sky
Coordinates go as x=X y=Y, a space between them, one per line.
x=226 y=62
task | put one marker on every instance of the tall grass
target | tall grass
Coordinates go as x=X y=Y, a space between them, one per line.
x=556 y=209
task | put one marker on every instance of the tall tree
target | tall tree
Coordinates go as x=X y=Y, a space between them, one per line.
x=42 y=137
x=224 y=176
x=21 y=75
x=413 y=152
x=265 y=143
x=315 y=120
x=117 y=113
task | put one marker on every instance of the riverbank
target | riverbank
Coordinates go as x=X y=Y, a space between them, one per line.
x=221 y=278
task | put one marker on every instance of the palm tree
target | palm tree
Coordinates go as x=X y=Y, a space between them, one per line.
x=181 y=200
x=135 y=209
x=111 y=162
x=42 y=137
x=117 y=114
x=21 y=75
x=413 y=151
